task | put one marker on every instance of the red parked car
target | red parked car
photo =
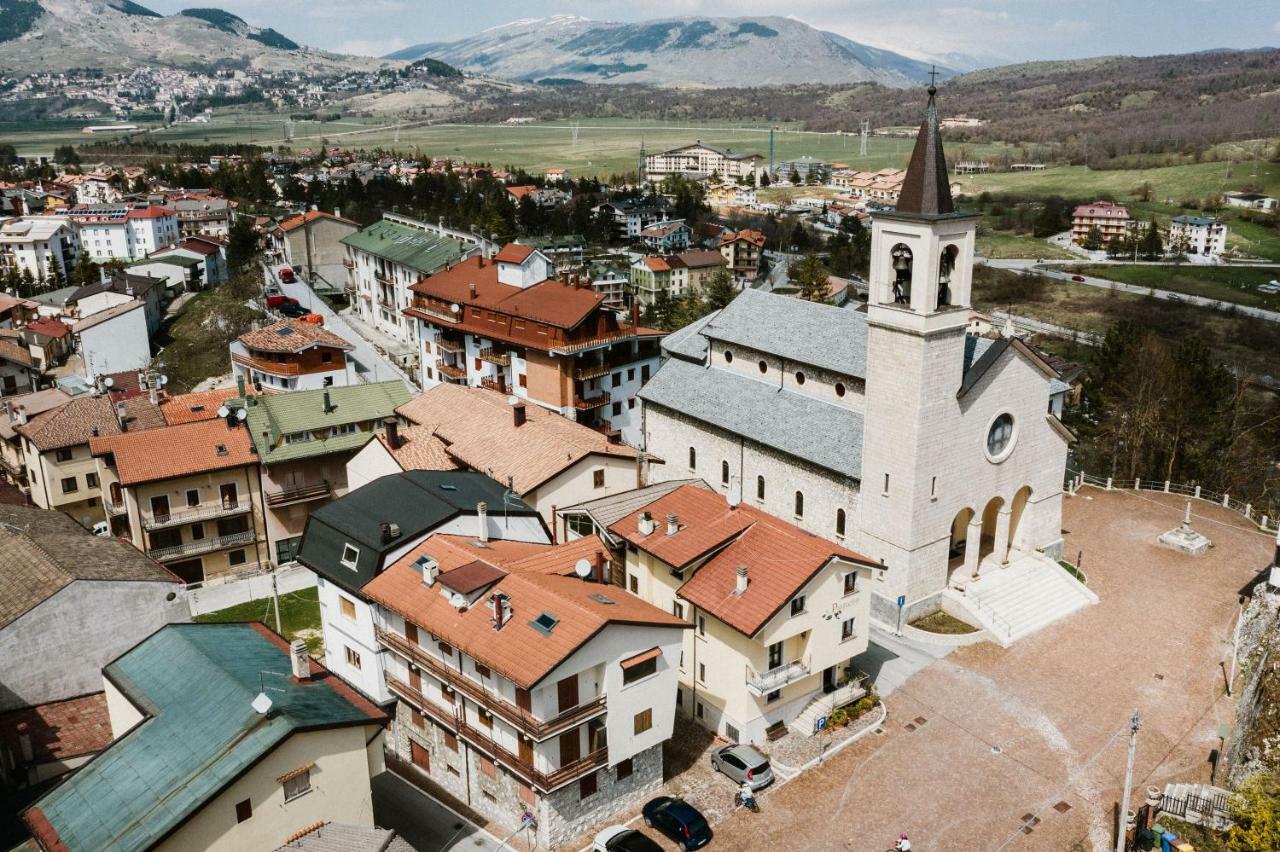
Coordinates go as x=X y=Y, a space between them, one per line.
x=1077 y=278
x=287 y=276
x=279 y=301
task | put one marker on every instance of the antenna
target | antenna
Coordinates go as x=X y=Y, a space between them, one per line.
x=224 y=412
x=582 y=568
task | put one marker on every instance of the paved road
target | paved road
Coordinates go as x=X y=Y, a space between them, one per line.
x=1107 y=284
x=426 y=824
x=371 y=364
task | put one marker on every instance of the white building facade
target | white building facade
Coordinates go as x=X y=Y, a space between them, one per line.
x=124 y=232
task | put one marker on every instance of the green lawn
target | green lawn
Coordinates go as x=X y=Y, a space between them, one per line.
x=1001 y=245
x=1169 y=185
x=1226 y=283
x=299 y=616
x=942 y=622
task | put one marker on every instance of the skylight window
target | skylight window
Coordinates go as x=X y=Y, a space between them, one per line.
x=544 y=623
x=601 y=599
x=284 y=331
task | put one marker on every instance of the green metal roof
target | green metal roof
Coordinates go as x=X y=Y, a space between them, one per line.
x=409 y=247
x=275 y=415
x=196 y=683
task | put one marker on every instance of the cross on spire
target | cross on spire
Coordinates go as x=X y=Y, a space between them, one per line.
x=933 y=75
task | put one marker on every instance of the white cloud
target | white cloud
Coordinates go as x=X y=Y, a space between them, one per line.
x=371 y=47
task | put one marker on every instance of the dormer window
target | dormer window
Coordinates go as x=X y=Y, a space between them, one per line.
x=350 y=553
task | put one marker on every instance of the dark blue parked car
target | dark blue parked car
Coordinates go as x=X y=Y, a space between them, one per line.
x=678 y=820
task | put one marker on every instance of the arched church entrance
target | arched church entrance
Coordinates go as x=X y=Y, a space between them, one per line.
x=1017 y=511
x=990 y=522
x=959 y=544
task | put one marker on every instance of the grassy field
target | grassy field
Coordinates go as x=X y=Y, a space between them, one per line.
x=194 y=345
x=1243 y=341
x=1229 y=284
x=1006 y=244
x=1169 y=185
x=299 y=616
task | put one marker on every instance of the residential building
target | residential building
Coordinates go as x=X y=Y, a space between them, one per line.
x=48 y=341
x=124 y=231
x=202 y=215
x=732 y=195
x=122 y=288
x=303 y=441
x=354 y=539
x=882 y=186
x=385 y=260
x=742 y=250
x=17 y=408
x=1202 y=235
x=923 y=446
x=630 y=216
x=61 y=470
x=505 y=325
x=210 y=256
x=778 y=613
x=19 y=370
x=313 y=237
x=16 y=312
x=188 y=495
x=292 y=355
x=180 y=273
x=114 y=339
x=699 y=160
x=556 y=175
x=676 y=275
x=73 y=602
x=545 y=459
x=669 y=236
x=1111 y=220
x=217 y=746
x=565 y=252
x=802 y=170
x=1251 y=201
x=524 y=689
x=38 y=245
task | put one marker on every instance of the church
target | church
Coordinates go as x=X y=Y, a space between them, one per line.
x=886 y=427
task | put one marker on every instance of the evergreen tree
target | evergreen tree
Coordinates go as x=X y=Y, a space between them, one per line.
x=1150 y=245
x=662 y=312
x=809 y=276
x=719 y=290
x=242 y=244
x=1093 y=239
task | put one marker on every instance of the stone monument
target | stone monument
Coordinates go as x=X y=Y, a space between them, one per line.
x=1184 y=539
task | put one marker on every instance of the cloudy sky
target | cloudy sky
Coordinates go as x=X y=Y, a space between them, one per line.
x=1003 y=29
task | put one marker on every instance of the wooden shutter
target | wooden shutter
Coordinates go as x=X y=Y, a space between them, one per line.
x=411 y=633
x=570 y=747
x=421 y=757
x=567 y=692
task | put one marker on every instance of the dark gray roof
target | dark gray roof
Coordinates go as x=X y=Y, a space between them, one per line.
x=926 y=189
x=688 y=342
x=607 y=511
x=822 y=336
x=800 y=426
x=43 y=551
x=418 y=501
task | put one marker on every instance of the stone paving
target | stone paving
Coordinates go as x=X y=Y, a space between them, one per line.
x=985 y=737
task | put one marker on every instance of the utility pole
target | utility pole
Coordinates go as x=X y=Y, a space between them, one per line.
x=866 y=127
x=275 y=601
x=1128 y=782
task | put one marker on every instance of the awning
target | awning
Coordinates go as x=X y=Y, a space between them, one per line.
x=632 y=662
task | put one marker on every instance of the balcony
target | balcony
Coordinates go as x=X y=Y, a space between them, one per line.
x=204 y=545
x=591 y=371
x=590 y=403
x=762 y=683
x=113 y=508
x=522 y=720
x=544 y=782
x=444 y=344
x=451 y=371
x=275 y=368
x=497 y=384
x=156 y=521
x=298 y=494
x=493 y=356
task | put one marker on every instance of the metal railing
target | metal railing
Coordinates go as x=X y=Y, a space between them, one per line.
x=762 y=683
x=204 y=545
x=1264 y=522
x=298 y=494
x=539 y=729
x=194 y=514
x=114 y=508
x=446 y=345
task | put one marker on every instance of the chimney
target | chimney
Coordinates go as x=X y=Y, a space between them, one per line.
x=501 y=606
x=518 y=414
x=472 y=289
x=122 y=417
x=328 y=402
x=673 y=523
x=240 y=385
x=22 y=415
x=430 y=571
x=597 y=566
x=155 y=394
x=645 y=524
x=482 y=521
x=393 y=432
x=390 y=532
x=740 y=586
x=298 y=657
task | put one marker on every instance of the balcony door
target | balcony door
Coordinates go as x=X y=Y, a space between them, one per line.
x=567 y=693
x=415 y=680
x=159 y=507
x=526 y=751
x=117 y=496
x=570 y=747
x=775 y=656
x=230 y=497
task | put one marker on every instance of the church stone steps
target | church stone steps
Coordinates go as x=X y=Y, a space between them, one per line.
x=1027 y=595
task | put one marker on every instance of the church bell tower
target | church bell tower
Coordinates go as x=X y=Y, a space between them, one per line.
x=917 y=315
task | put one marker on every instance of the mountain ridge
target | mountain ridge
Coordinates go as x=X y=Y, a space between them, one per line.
x=677 y=52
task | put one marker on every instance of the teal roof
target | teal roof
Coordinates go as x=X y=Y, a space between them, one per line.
x=409 y=247
x=276 y=415
x=195 y=683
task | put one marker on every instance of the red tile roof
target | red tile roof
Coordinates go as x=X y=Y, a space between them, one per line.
x=294 y=222
x=521 y=191
x=49 y=327
x=513 y=253
x=781 y=558
x=193 y=407
x=59 y=730
x=550 y=301
x=176 y=451
x=290 y=335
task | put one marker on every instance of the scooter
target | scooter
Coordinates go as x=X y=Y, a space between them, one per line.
x=750 y=804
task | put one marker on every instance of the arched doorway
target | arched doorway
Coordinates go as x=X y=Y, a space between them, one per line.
x=990 y=520
x=959 y=539
x=1017 y=510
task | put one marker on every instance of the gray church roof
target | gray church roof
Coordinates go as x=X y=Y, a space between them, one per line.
x=798 y=425
x=688 y=342
x=822 y=336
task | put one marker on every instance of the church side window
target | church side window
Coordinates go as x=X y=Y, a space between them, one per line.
x=693 y=459
x=840 y=522
x=760 y=488
x=799 y=504
x=724 y=473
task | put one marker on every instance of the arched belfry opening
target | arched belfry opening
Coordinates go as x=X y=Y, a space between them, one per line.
x=946 y=268
x=902 y=269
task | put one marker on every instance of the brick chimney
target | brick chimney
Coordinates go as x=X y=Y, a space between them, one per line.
x=673 y=524
x=518 y=414
x=393 y=432
x=597 y=566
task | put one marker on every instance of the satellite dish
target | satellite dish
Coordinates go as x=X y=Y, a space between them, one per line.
x=454 y=307
x=241 y=414
x=109 y=382
x=224 y=411
x=262 y=704
x=457 y=600
x=582 y=568
x=164 y=380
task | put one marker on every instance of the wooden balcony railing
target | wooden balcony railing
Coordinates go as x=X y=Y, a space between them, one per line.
x=275 y=368
x=298 y=494
x=444 y=344
x=588 y=403
x=493 y=356
x=544 y=782
x=538 y=729
x=452 y=371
